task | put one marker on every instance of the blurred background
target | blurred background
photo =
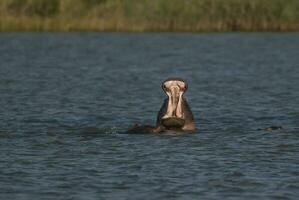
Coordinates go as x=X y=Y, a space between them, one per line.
x=149 y=15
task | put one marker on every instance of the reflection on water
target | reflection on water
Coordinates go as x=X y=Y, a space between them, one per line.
x=66 y=99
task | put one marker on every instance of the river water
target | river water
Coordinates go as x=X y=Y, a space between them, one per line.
x=67 y=97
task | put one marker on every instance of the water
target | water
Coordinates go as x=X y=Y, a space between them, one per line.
x=65 y=99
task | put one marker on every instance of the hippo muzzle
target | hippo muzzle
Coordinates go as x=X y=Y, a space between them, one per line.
x=174 y=115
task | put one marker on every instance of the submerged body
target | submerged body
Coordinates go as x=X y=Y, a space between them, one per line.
x=175 y=113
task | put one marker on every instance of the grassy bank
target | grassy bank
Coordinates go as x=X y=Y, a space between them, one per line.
x=149 y=15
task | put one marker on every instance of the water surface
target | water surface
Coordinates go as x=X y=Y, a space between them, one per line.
x=67 y=97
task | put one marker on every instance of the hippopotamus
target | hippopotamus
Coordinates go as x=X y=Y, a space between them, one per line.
x=175 y=113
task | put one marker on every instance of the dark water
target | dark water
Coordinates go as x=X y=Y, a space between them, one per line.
x=65 y=99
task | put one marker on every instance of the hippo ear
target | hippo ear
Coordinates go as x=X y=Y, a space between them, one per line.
x=186 y=86
x=163 y=86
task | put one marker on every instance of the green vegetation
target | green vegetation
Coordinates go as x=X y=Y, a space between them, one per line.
x=149 y=15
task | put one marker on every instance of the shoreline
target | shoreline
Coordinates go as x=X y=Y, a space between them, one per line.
x=152 y=32
x=103 y=30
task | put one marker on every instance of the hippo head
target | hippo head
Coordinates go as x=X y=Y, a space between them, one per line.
x=174 y=115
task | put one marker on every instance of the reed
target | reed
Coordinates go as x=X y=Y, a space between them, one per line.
x=149 y=15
